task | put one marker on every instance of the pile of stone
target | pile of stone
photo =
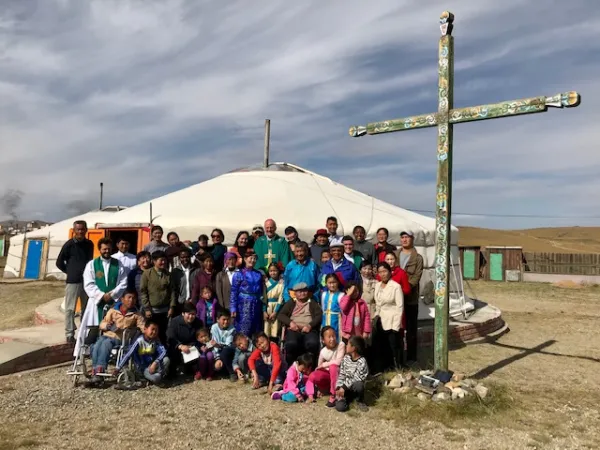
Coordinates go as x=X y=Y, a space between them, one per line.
x=425 y=387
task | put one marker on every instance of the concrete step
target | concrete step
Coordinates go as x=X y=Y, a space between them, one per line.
x=50 y=312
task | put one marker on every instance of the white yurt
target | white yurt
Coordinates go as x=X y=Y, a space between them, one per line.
x=294 y=196
x=51 y=238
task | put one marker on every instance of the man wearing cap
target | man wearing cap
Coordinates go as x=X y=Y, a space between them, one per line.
x=271 y=248
x=319 y=243
x=300 y=270
x=412 y=263
x=343 y=269
x=257 y=232
x=302 y=319
x=291 y=236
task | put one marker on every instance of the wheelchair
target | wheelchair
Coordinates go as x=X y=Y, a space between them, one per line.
x=82 y=365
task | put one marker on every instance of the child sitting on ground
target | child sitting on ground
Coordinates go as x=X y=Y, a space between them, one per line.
x=353 y=374
x=325 y=376
x=123 y=316
x=222 y=343
x=356 y=319
x=206 y=360
x=297 y=381
x=206 y=308
x=243 y=350
x=265 y=364
x=149 y=355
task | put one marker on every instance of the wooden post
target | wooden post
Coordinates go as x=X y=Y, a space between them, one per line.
x=267 y=142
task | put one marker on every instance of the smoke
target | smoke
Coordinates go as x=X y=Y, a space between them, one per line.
x=80 y=206
x=10 y=203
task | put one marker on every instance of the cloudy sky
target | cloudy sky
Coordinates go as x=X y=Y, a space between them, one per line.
x=150 y=97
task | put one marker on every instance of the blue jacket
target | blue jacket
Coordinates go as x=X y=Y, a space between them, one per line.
x=346 y=272
x=297 y=273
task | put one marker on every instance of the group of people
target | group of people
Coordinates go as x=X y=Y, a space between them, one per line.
x=204 y=308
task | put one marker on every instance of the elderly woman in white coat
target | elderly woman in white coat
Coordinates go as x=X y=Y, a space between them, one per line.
x=389 y=307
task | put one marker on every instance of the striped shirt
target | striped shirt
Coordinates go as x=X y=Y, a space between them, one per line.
x=352 y=371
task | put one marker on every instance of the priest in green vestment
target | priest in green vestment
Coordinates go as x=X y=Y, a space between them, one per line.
x=271 y=248
x=104 y=281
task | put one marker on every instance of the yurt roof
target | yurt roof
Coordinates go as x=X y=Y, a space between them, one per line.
x=287 y=193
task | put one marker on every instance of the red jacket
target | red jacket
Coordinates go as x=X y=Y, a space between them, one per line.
x=382 y=249
x=256 y=355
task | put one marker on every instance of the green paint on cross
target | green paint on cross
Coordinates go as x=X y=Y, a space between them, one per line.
x=444 y=119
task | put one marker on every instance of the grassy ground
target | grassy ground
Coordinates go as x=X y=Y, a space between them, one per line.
x=543 y=377
x=18 y=301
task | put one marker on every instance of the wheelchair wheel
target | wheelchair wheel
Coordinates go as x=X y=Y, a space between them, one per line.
x=126 y=378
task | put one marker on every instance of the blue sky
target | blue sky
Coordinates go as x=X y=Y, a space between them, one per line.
x=149 y=97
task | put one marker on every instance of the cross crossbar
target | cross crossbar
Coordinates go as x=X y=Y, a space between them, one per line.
x=472 y=113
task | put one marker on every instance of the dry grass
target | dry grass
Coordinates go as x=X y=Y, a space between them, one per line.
x=407 y=408
x=18 y=301
x=557 y=240
x=548 y=361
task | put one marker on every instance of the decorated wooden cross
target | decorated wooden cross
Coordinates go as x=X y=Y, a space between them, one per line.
x=444 y=119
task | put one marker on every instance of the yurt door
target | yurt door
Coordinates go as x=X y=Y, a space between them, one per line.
x=34 y=259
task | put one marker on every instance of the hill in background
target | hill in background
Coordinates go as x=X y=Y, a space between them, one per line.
x=551 y=240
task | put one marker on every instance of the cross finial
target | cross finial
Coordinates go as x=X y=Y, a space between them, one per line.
x=446 y=20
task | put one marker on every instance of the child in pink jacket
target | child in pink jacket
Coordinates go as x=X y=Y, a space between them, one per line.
x=297 y=382
x=356 y=319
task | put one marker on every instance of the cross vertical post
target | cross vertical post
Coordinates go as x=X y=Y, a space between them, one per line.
x=444 y=119
x=444 y=191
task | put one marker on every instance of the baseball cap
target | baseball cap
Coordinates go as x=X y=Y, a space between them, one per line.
x=407 y=233
x=258 y=227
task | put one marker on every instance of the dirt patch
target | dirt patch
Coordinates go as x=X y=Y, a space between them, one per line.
x=18 y=301
x=566 y=284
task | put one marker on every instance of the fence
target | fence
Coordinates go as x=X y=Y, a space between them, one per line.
x=562 y=263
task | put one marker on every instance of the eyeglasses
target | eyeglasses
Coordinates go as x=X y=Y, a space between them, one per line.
x=215 y=236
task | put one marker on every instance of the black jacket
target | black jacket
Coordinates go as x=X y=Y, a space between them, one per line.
x=180 y=332
x=73 y=257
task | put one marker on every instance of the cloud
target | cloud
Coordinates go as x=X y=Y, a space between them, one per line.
x=149 y=97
